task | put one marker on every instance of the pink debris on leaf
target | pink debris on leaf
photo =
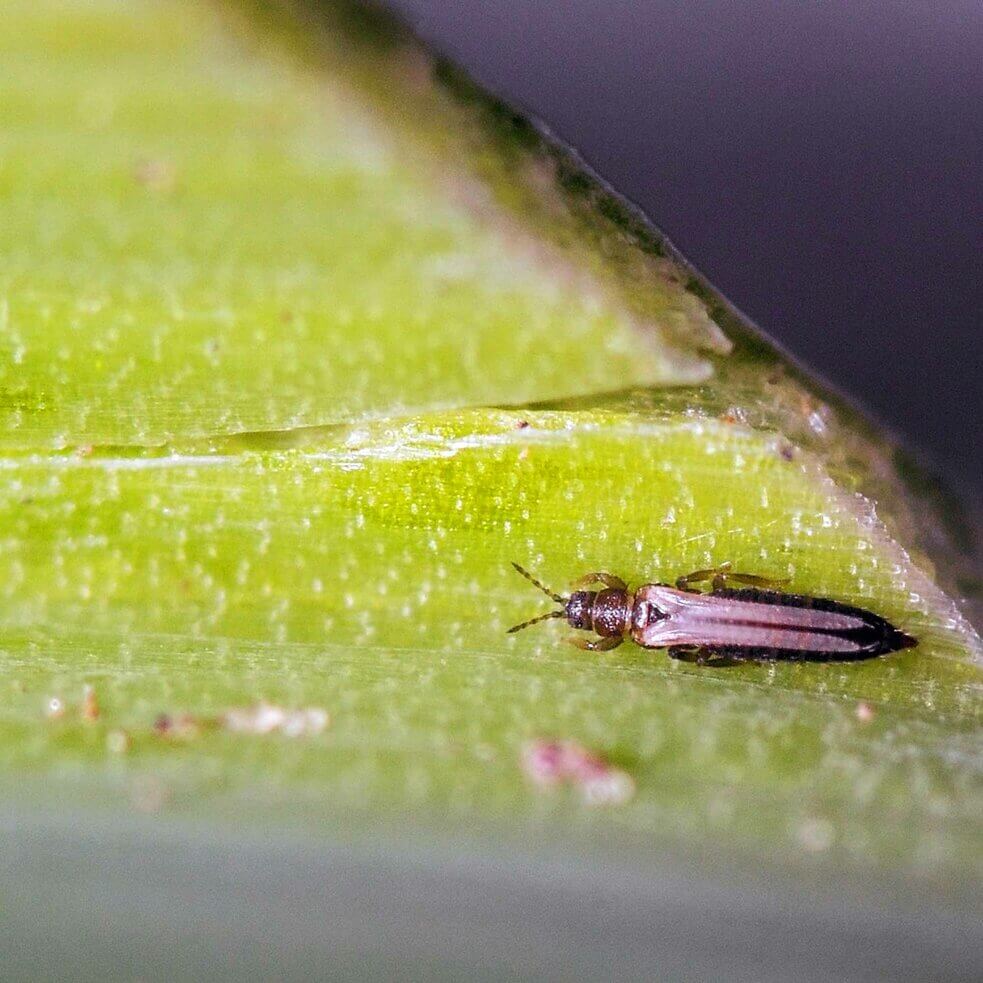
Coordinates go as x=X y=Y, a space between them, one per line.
x=552 y=763
x=865 y=712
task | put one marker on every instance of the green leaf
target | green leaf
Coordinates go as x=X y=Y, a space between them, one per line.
x=302 y=341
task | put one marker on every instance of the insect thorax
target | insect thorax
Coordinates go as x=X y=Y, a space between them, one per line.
x=611 y=610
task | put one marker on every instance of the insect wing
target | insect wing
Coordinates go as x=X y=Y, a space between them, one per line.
x=756 y=621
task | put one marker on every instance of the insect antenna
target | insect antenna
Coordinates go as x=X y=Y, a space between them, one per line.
x=562 y=601
x=535 y=621
x=525 y=573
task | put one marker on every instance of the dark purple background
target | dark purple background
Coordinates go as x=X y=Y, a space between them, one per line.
x=821 y=162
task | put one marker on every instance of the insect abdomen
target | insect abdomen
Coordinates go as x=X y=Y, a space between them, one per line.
x=874 y=636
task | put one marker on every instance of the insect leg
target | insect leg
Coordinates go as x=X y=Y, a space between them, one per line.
x=722 y=576
x=703 y=656
x=685 y=653
x=600 y=577
x=597 y=644
x=701 y=576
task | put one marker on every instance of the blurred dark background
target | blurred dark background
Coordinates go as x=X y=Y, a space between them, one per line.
x=821 y=163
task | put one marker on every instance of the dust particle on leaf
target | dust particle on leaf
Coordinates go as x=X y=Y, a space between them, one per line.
x=149 y=795
x=117 y=742
x=266 y=718
x=155 y=174
x=815 y=835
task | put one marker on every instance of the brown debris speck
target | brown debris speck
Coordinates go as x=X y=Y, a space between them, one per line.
x=552 y=763
x=183 y=727
x=90 y=705
x=733 y=415
x=262 y=718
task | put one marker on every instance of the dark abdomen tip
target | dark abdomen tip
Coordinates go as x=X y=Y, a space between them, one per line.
x=898 y=640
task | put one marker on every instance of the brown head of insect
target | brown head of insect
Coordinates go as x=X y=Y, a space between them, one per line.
x=605 y=612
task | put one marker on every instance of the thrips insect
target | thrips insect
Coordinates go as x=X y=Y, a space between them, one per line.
x=755 y=621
